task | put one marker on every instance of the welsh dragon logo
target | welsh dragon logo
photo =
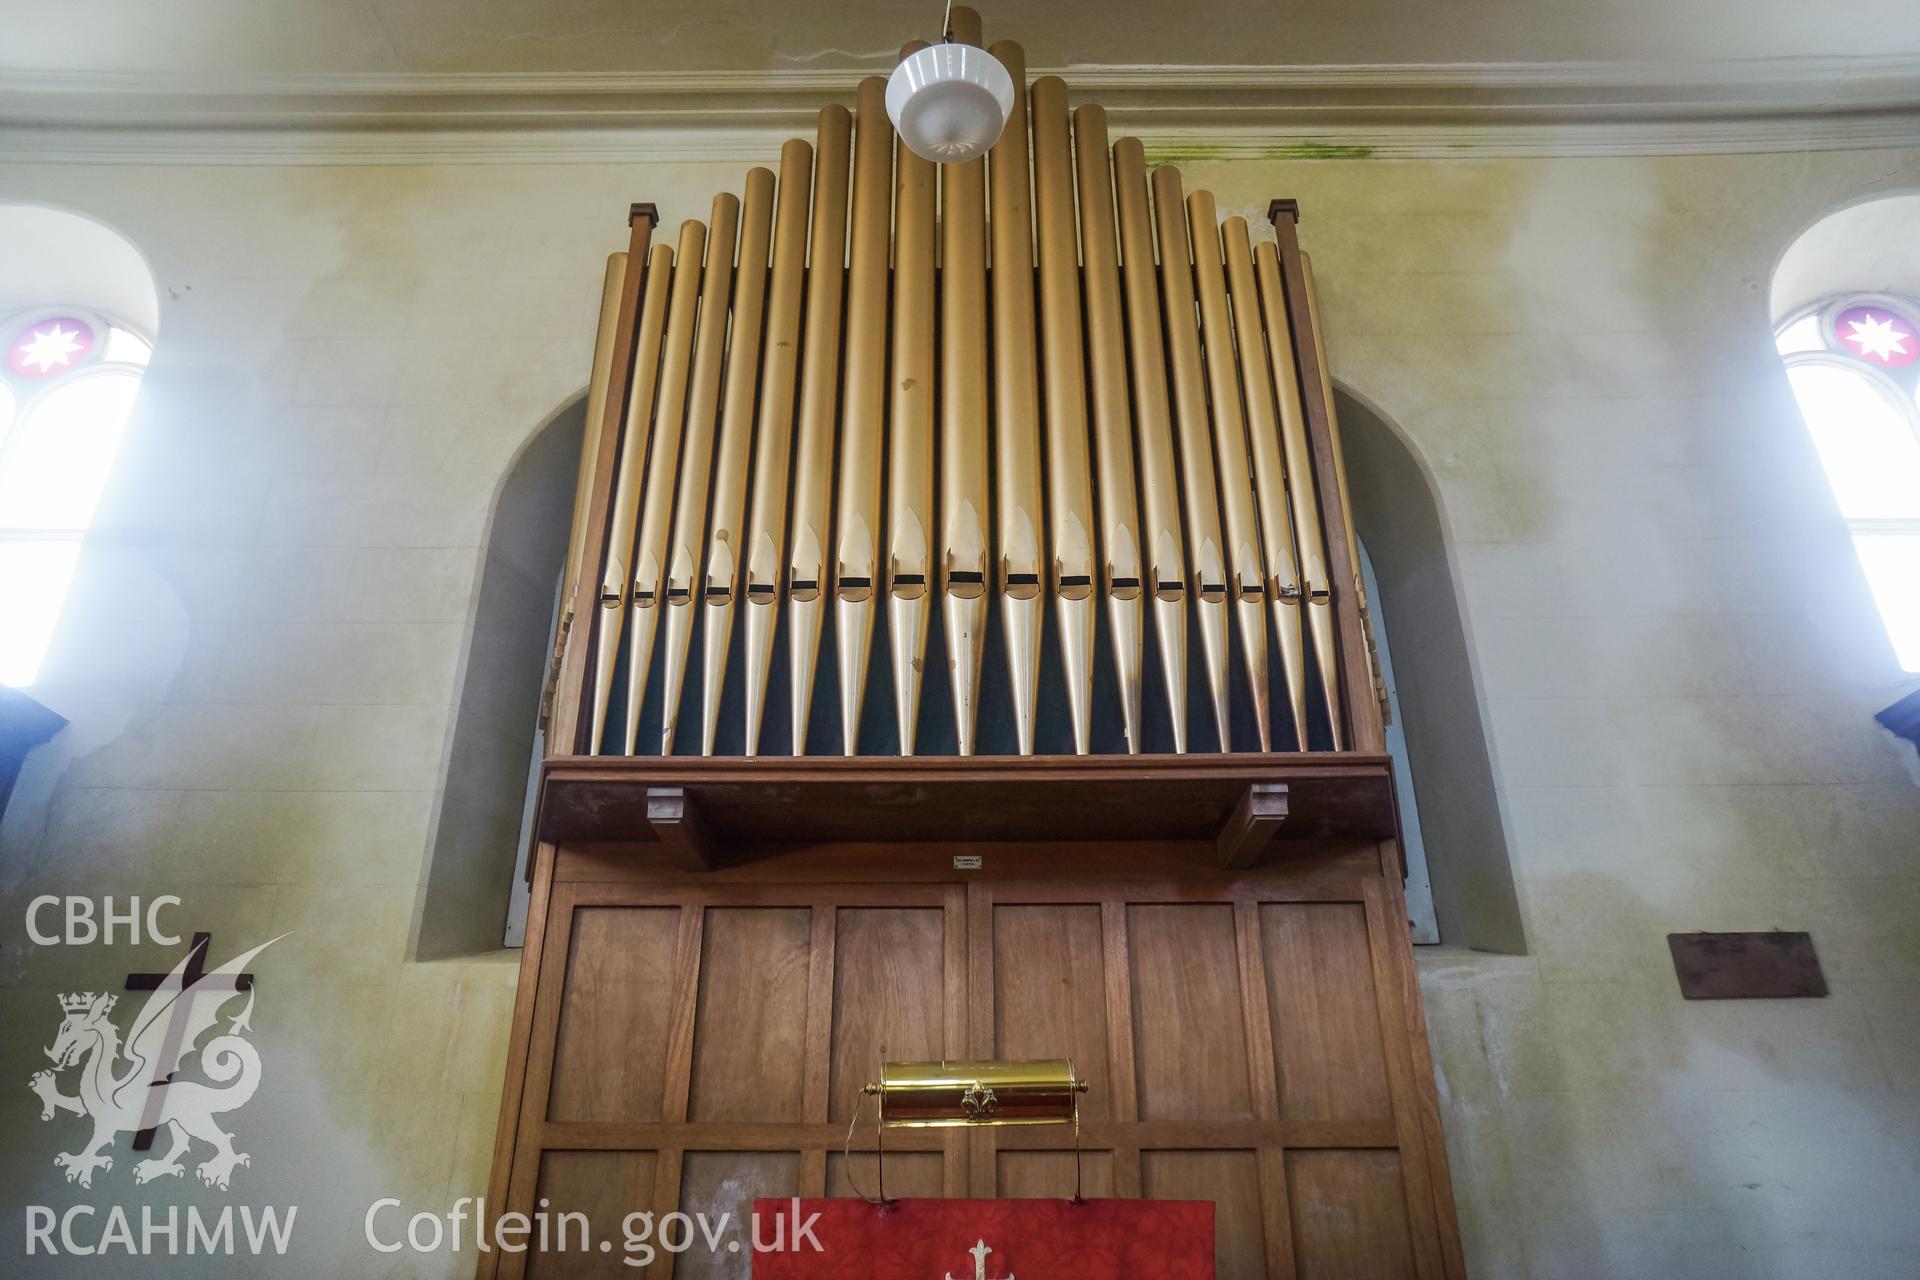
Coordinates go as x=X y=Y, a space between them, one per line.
x=130 y=1087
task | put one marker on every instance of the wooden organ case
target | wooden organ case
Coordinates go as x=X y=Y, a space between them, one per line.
x=953 y=476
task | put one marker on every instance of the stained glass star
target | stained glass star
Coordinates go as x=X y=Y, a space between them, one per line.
x=49 y=347
x=1877 y=339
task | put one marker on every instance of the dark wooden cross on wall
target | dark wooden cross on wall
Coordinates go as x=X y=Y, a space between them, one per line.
x=193 y=977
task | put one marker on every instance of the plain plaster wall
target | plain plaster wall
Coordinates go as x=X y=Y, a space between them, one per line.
x=1680 y=661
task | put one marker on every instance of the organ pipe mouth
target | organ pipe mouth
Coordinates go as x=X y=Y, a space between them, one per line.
x=966 y=584
x=1074 y=586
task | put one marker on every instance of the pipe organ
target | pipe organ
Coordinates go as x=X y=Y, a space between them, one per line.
x=963 y=658
x=951 y=435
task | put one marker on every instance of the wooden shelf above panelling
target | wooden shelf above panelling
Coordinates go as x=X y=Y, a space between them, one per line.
x=704 y=806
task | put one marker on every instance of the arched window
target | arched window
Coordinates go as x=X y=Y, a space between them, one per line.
x=1854 y=364
x=66 y=390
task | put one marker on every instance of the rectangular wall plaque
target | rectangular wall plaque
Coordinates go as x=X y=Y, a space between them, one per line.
x=1746 y=966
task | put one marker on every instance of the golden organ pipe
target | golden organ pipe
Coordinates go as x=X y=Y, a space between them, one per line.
x=656 y=499
x=1333 y=425
x=772 y=446
x=1263 y=432
x=964 y=456
x=1063 y=359
x=964 y=25
x=596 y=410
x=1112 y=423
x=1196 y=449
x=696 y=468
x=1309 y=536
x=773 y=442
x=1016 y=408
x=1346 y=500
x=720 y=573
x=597 y=386
x=1159 y=475
x=1249 y=577
x=910 y=434
x=863 y=407
x=635 y=429
x=807 y=543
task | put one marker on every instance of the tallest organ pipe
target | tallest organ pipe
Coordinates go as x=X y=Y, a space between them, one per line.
x=856 y=570
x=1016 y=410
x=1069 y=484
x=966 y=566
x=910 y=570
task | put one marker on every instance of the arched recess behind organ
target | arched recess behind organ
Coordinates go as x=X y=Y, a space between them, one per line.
x=461 y=908
x=1397 y=513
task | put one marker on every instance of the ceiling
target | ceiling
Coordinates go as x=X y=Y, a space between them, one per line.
x=421 y=81
x=358 y=37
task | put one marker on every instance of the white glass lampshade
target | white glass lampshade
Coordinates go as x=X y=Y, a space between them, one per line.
x=950 y=101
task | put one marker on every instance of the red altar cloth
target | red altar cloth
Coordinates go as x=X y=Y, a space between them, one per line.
x=987 y=1240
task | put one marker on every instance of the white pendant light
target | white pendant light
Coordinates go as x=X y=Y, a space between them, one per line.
x=950 y=101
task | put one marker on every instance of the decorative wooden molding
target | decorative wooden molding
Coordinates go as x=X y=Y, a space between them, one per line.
x=1413 y=110
x=708 y=810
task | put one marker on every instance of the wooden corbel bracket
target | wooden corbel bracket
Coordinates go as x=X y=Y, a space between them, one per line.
x=675 y=818
x=1252 y=825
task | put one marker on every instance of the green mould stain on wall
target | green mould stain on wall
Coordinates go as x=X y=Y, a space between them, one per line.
x=1189 y=152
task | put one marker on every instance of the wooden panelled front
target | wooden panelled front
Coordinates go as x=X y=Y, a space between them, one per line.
x=700 y=1039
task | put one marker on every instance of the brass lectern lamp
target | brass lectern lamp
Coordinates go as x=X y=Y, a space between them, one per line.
x=970 y=1095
